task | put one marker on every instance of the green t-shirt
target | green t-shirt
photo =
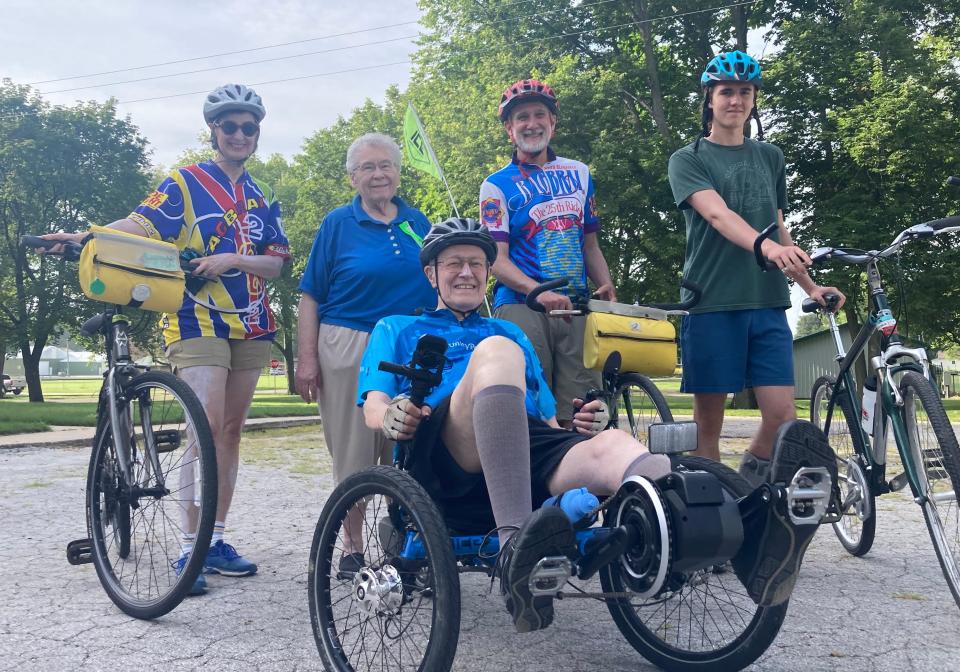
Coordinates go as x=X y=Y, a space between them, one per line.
x=751 y=180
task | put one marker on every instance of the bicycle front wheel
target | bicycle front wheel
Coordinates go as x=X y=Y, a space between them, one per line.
x=935 y=456
x=857 y=526
x=637 y=404
x=138 y=519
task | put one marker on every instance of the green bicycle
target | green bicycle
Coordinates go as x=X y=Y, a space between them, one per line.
x=906 y=406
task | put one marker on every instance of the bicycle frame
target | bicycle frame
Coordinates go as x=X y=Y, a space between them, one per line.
x=886 y=413
x=120 y=367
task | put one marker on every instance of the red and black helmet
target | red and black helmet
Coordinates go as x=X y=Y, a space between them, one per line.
x=525 y=91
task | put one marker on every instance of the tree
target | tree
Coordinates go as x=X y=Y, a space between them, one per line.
x=61 y=168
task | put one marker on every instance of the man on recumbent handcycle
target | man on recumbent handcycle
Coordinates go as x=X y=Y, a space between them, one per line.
x=487 y=448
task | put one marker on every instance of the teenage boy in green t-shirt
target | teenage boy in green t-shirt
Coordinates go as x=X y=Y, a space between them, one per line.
x=729 y=188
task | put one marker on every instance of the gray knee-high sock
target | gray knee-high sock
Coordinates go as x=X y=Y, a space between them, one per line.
x=503 y=443
x=648 y=465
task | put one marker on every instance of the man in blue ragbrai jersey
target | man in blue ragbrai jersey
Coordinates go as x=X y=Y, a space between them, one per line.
x=540 y=211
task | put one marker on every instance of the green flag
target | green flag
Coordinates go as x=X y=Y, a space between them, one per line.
x=419 y=151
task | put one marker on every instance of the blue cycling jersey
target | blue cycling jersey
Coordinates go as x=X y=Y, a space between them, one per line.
x=394 y=339
x=543 y=212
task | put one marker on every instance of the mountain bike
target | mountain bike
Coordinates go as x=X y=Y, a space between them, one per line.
x=634 y=400
x=152 y=476
x=906 y=405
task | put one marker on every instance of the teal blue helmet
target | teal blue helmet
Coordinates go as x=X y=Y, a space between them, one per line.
x=732 y=66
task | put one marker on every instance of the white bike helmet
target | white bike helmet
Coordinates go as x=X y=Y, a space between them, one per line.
x=232 y=98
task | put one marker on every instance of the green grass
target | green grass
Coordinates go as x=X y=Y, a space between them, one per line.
x=89 y=387
x=18 y=416
x=72 y=402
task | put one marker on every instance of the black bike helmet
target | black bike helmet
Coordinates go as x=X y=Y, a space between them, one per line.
x=457 y=231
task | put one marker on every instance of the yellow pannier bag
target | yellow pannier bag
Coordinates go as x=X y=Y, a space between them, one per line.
x=130 y=270
x=647 y=346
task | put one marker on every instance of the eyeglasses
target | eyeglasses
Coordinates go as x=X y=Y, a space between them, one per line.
x=456 y=263
x=248 y=128
x=370 y=168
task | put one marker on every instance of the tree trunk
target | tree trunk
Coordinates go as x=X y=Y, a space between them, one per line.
x=31 y=369
x=650 y=57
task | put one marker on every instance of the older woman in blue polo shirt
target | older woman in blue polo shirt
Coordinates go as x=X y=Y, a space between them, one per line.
x=363 y=266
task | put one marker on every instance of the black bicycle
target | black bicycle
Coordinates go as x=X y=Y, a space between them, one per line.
x=152 y=478
x=633 y=398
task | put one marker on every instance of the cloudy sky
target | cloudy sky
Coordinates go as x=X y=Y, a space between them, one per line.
x=364 y=44
x=45 y=40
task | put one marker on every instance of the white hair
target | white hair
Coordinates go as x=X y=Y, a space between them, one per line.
x=372 y=140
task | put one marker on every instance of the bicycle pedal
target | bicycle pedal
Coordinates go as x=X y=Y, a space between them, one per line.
x=808 y=495
x=167 y=440
x=549 y=574
x=80 y=552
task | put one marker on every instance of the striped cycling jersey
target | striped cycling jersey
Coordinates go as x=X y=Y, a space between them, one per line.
x=199 y=208
x=394 y=339
x=543 y=213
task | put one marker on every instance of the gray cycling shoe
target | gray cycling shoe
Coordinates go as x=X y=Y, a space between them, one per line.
x=547 y=533
x=774 y=540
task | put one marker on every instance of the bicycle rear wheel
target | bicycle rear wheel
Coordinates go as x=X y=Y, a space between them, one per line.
x=706 y=621
x=857 y=526
x=137 y=522
x=935 y=455
x=637 y=404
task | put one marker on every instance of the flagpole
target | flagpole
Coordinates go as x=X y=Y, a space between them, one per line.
x=417 y=163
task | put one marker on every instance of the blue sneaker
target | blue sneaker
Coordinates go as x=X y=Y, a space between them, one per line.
x=199 y=586
x=222 y=558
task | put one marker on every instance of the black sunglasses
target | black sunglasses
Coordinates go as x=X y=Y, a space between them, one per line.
x=249 y=128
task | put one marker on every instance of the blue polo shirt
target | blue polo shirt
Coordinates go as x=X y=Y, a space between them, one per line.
x=361 y=270
x=395 y=339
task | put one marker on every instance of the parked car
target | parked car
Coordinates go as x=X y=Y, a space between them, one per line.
x=12 y=384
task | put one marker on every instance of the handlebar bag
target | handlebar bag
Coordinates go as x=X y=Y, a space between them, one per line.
x=129 y=270
x=647 y=346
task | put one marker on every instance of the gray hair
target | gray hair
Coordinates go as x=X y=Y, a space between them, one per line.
x=372 y=140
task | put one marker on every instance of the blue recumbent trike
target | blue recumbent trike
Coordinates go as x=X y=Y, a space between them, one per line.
x=660 y=550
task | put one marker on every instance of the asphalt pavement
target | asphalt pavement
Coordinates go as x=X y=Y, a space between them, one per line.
x=890 y=611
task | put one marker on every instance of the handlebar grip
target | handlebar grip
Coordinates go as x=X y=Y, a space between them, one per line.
x=418 y=390
x=944 y=223
x=693 y=287
x=757 y=254
x=71 y=251
x=550 y=285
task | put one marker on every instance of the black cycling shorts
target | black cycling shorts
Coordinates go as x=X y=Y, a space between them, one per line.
x=461 y=496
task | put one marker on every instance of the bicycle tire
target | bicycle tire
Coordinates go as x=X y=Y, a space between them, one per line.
x=934 y=452
x=356 y=634
x=140 y=577
x=857 y=528
x=640 y=403
x=741 y=630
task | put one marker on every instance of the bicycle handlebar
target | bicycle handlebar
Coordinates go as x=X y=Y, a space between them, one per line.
x=758 y=254
x=855 y=256
x=71 y=252
x=548 y=286
x=535 y=305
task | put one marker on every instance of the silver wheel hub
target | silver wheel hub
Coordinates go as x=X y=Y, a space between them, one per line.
x=378 y=592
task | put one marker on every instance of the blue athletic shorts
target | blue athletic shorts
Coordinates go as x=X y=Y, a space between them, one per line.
x=728 y=351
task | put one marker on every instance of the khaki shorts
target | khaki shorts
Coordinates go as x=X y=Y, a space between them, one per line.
x=559 y=345
x=211 y=351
